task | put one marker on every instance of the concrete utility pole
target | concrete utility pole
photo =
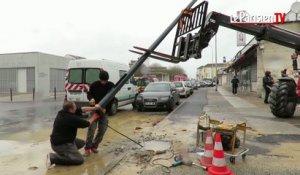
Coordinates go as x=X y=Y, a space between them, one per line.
x=212 y=61
x=216 y=57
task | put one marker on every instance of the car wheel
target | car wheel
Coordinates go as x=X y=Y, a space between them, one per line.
x=171 y=105
x=140 y=108
x=114 y=108
x=186 y=95
x=134 y=105
x=178 y=101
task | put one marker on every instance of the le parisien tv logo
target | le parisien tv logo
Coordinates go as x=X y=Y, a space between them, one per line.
x=243 y=17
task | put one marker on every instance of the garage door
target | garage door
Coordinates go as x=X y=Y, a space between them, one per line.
x=57 y=79
x=30 y=79
x=8 y=79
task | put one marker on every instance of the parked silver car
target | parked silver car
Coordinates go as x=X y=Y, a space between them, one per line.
x=183 y=89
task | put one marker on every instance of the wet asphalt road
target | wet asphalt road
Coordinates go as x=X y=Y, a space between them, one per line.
x=30 y=116
x=192 y=106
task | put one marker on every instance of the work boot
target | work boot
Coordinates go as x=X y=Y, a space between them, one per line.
x=49 y=164
x=94 y=150
x=87 y=152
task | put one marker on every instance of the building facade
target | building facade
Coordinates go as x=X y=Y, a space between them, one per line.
x=251 y=62
x=208 y=71
x=161 y=73
x=32 y=71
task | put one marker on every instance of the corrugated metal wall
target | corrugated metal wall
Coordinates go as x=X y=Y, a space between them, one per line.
x=8 y=79
x=57 y=79
x=30 y=79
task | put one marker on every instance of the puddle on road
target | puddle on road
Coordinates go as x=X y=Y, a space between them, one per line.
x=156 y=145
x=6 y=147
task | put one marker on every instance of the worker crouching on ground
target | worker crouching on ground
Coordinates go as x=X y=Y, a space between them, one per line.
x=97 y=91
x=63 y=138
x=235 y=84
x=267 y=84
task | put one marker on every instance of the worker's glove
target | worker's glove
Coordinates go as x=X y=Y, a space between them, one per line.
x=95 y=117
x=92 y=102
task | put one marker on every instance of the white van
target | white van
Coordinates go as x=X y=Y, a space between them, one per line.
x=82 y=73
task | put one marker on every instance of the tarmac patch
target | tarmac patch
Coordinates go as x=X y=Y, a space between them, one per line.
x=279 y=138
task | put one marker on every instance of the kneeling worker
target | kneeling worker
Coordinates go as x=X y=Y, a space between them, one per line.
x=63 y=138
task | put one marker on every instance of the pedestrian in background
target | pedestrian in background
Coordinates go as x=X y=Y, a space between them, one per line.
x=267 y=84
x=235 y=84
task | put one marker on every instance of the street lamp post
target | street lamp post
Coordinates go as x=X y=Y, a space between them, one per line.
x=212 y=60
x=216 y=57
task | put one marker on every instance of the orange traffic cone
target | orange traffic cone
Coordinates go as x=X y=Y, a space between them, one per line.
x=206 y=159
x=218 y=163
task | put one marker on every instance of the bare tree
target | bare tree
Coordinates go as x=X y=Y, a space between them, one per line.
x=176 y=70
x=155 y=65
x=143 y=70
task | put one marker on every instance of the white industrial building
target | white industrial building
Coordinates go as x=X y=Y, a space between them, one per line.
x=24 y=71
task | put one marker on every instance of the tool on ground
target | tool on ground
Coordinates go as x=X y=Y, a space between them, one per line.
x=178 y=157
x=160 y=152
x=206 y=159
x=218 y=163
x=182 y=162
x=125 y=136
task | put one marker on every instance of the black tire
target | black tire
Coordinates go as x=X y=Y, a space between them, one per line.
x=171 y=105
x=283 y=99
x=186 y=95
x=178 y=101
x=140 y=108
x=114 y=108
x=134 y=105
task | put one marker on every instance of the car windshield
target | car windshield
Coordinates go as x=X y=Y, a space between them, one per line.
x=157 y=87
x=178 y=84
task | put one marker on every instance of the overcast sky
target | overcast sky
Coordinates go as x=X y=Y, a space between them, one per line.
x=98 y=29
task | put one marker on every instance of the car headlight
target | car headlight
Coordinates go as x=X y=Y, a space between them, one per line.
x=164 y=98
x=139 y=97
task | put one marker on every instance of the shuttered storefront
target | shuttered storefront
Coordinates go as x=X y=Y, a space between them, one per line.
x=8 y=79
x=30 y=79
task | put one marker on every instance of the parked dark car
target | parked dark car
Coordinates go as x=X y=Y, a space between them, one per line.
x=189 y=84
x=195 y=86
x=209 y=83
x=202 y=84
x=158 y=95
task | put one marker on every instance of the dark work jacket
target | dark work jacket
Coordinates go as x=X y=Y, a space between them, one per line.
x=98 y=91
x=235 y=82
x=267 y=81
x=65 y=127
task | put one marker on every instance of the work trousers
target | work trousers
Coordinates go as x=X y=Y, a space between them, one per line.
x=234 y=89
x=67 y=154
x=268 y=91
x=102 y=123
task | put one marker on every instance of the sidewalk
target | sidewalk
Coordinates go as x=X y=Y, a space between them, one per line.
x=272 y=148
